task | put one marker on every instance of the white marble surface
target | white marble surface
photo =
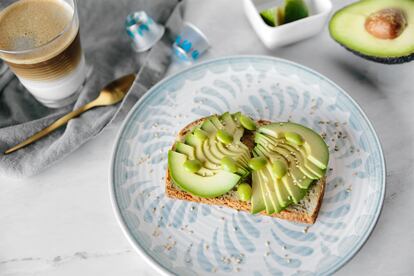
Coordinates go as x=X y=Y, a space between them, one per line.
x=61 y=222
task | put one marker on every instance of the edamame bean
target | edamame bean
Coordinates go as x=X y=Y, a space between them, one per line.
x=279 y=168
x=192 y=165
x=236 y=116
x=224 y=137
x=228 y=164
x=200 y=134
x=294 y=138
x=247 y=123
x=257 y=163
x=244 y=191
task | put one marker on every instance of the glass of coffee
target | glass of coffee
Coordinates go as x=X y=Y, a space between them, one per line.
x=39 y=41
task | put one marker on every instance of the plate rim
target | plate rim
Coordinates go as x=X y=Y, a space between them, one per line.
x=153 y=262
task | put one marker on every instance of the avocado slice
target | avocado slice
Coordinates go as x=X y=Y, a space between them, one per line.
x=211 y=154
x=197 y=144
x=202 y=186
x=270 y=189
x=185 y=149
x=298 y=152
x=295 y=159
x=239 y=157
x=282 y=195
x=266 y=193
x=189 y=151
x=295 y=182
x=294 y=10
x=208 y=126
x=257 y=200
x=378 y=30
x=229 y=123
x=315 y=147
x=301 y=154
x=273 y=16
x=295 y=192
x=296 y=171
x=216 y=122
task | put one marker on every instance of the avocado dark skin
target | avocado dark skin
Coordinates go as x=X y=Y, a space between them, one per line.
x=388 y=60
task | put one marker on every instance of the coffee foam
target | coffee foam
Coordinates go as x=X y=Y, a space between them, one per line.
x=45 y=25
x=28 y=24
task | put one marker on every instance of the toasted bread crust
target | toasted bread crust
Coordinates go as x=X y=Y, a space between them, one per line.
x=172 y=191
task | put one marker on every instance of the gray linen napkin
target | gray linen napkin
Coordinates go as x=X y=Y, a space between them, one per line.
x=108 y=52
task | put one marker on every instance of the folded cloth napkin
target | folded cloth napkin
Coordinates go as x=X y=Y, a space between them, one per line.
x=109 y=55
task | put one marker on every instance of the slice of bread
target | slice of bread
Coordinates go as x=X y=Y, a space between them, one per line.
x=306 y=211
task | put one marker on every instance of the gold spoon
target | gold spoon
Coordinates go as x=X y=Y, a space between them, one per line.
x=111 y=94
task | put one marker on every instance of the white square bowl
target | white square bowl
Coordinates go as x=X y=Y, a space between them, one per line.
x=273 y=37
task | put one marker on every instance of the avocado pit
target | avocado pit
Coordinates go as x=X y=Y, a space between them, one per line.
x=387 y=23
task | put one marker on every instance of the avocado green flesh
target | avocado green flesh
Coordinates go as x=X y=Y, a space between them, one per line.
x=199 y=152
x=301 y=154
x=282 y=194
x=295 y=10
x=303 y=161
x=207 y=187
x=240 y=158
x=211 y=154
x=347 y=27
x=208 y=126
x=257 y=200
x=294 y=191
x=301 y=176
x=270 y=16
x=270 y=189
x=216 y=122
x=291 y=156
x=315 y=147
x=268 y=194
x=229 y=122
x=185 y=149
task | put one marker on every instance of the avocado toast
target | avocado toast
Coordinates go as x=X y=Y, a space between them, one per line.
x=275 y=169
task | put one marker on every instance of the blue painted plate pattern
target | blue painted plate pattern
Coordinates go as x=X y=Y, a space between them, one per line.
x=185 y=238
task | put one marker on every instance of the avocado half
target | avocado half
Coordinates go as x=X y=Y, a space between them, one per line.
x=378 y=30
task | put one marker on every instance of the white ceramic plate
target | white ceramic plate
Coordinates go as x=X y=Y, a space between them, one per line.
x=193 y=239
